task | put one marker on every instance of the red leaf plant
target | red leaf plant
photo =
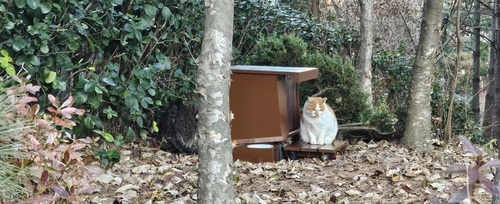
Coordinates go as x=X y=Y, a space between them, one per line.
x=475 y=179
x=59 y=172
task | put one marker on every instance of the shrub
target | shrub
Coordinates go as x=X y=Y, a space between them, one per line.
x=255 y=20
x=126 y=56
x=340 y=79
x=51 y=159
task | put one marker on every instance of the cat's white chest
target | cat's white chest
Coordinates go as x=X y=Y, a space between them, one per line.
x=320 y=129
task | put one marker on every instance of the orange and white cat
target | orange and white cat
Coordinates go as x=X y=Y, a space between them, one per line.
x=318 y=124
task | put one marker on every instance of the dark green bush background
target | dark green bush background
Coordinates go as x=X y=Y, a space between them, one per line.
x=123 y=60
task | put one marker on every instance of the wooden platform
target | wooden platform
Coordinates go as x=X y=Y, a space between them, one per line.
x=300 y=149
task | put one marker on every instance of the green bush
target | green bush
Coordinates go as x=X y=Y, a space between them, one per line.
x=255 y=20
x=344 y=94
x=123 y=56
x=122 y=60
x=392 y=72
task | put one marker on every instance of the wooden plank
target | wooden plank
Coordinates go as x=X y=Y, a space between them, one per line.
x=333 y=148
x=310 y=148
x=308 y=155
x=294 y=147
x=328 y=148
x=299 y=73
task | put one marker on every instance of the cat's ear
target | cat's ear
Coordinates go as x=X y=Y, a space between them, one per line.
x=309 y=99
x=324 y=100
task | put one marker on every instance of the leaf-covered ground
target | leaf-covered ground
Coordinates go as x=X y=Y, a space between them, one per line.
x=380 y=172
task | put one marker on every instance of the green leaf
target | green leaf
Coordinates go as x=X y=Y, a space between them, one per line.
x=138 y=35
x=81 y=97
x=45 y=7
x=117 y=2
x=4 y=53
x=44 y=48
x=90 y=86
x=9 y=25
x=152 y=92
x=34 y=4
x=51 y=76
x=34 y=60
x=155 y=126
x=119 y=137
x=150 y=10
x=165 y=13
x=73 y=45
x=131 y=101
x=108 y=137
x=144 y=134
x=108 y=81
x=60 y=84
x=98 y=90
x=145 y=101
x=20 y=3
x=139 y=121
x=10 y=70
x=88 y=122
x=130 y=132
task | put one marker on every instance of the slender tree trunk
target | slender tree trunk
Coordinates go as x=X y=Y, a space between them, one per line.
x=418 y=122
x=489 y=101
x=476 y=61
x=315 y=9
x=366 y=48
x=489 y=120
x=494 y=65
x=215 y=180
x=454 y=81
x=496 y=60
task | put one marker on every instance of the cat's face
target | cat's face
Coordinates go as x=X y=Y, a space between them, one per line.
x=315 y=106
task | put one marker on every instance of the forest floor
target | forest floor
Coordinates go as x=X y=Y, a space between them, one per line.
x=380 y=172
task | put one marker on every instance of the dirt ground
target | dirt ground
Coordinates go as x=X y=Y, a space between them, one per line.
x=380 y=172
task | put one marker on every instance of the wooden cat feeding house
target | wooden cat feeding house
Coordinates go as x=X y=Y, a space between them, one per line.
x=265 y=104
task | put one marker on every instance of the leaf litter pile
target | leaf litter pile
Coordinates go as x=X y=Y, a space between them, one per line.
x=380 y=172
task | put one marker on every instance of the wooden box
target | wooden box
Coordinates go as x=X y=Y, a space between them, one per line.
x=265 y=102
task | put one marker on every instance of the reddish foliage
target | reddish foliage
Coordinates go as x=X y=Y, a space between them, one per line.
x=63 y=170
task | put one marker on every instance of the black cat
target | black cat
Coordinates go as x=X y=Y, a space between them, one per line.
x=177 y=128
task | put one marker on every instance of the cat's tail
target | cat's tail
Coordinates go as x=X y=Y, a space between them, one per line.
x=189 y=150
x=182 y=147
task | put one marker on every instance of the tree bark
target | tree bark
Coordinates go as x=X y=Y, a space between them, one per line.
x=476 y=60
x=366 y=48
x=418 y=122
x=489 y=121
x=315 y=9
x=454 y=81
x=215 y=180
x=495 y=66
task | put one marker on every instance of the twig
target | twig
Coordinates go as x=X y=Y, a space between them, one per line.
x=322 y=91
x=349 y=127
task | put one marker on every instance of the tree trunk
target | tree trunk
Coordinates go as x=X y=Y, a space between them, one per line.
x=496 y=60
x=454 y=81
x=495 y=66
x=489 y=107
x=365 y=48
x=476 y=59
x=315 y=9
x=418 y=122
x=215 y=180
